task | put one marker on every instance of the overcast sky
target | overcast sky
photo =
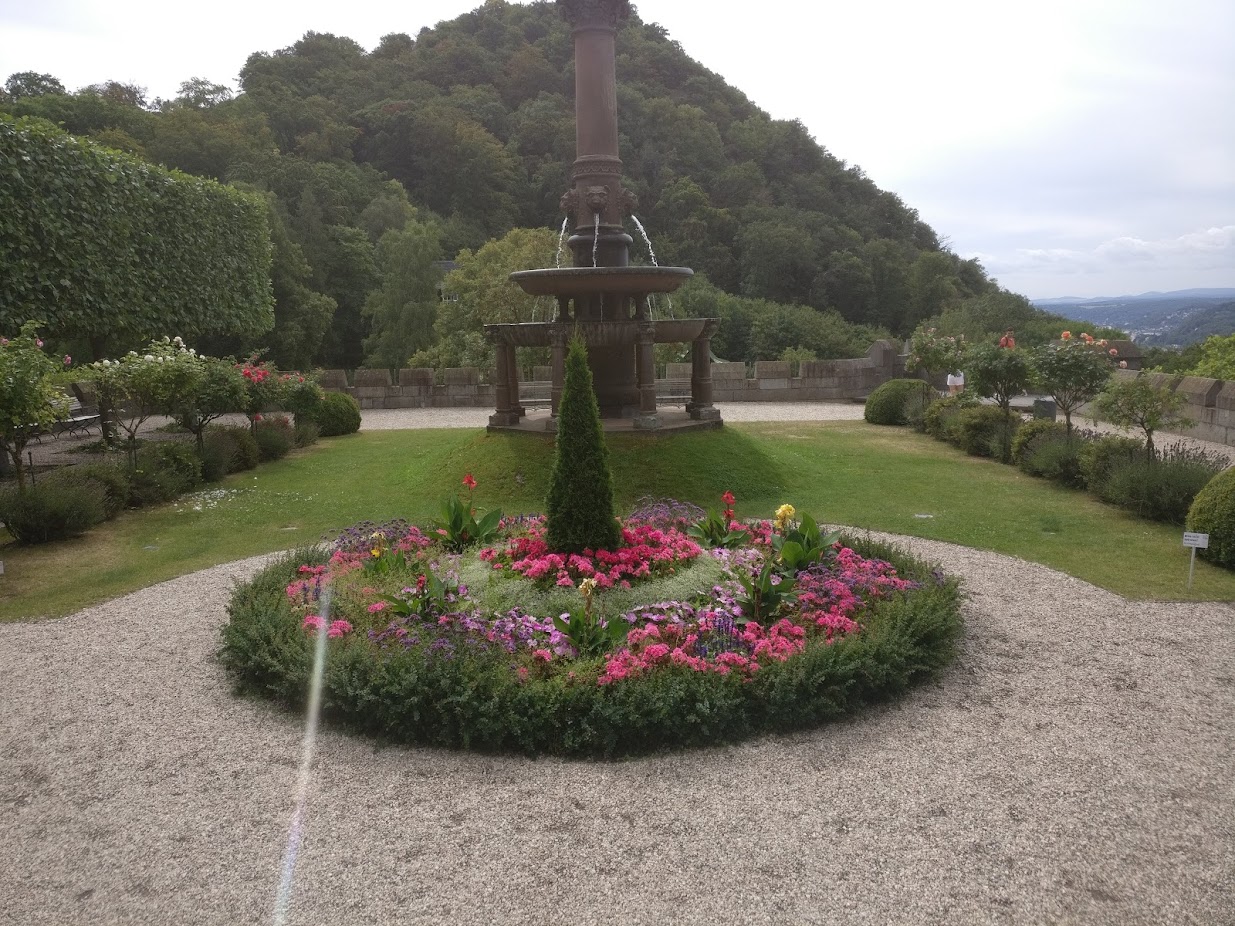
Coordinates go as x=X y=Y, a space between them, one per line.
x=1076 y=147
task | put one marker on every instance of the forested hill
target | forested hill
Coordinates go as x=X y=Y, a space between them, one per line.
x=474 y=120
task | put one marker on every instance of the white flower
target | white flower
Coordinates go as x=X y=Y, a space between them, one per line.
x=150 y=357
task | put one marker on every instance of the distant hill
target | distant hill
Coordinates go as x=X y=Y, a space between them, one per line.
x=1181 y=317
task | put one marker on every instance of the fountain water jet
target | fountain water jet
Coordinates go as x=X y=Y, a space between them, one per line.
x=602 y=297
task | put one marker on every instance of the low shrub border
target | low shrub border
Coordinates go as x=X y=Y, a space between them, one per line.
x=514 y=683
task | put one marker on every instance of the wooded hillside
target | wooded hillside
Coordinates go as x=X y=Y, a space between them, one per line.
x=455 y=137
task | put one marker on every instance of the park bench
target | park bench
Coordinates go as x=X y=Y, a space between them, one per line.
x=82 y=416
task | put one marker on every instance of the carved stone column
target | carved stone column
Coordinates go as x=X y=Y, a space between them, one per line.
x=504 y=414
x=596 y=200
x=512 y=369
x=701 y=407
x=645 y=349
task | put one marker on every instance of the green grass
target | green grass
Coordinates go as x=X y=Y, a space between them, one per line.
x=842 y=472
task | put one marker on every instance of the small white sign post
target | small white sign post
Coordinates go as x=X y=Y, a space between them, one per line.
x=1195 y=541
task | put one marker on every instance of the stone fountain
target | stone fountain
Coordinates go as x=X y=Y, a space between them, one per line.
x=602 y=297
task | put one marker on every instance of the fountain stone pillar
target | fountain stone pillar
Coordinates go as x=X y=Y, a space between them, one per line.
x=700 y=407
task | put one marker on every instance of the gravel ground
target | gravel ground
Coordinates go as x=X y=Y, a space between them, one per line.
x=1074 y=765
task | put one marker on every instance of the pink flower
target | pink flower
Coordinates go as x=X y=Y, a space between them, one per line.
x=38 y=342
x=542 y=654
x=1113 y=352
x=312 y=622
x=469 y=481
x=338 y=628
x=67 y=360
x=377 y=606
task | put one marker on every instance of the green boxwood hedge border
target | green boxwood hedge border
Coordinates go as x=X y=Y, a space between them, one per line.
x=410 y=697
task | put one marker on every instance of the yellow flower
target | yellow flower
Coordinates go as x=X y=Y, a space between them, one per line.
x=784 y=514
x=376 y=552
x=587 y=587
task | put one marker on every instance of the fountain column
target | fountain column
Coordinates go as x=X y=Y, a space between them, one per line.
x=504 y=413
x=646 y=352
x=701 y=407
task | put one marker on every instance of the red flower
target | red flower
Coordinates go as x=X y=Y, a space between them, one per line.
x=469 y=481
x=728 y=499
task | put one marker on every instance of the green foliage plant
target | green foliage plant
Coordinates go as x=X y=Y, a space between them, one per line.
x=1054 y=457
x=110 y=479
x=1137 y=402
x=886 y=403
x=986 y=431
x=1100 y=457
x=1158 y=490
x=942 y=415
x=458 y=526
x=1002 y=374
x=934 y=352
x=1213 y=513
x=1032 y=433
x=579 y=508
x=165 y=470
x=114 y=249
x=714 y=530
x=337 y=414
x=1072 y=371
x=51 y=511
x=588 y=632
x=800 y=544
x=1217 y=360
x=137 y=386
x=30 y=401
x=208 y=389
x=274 y=435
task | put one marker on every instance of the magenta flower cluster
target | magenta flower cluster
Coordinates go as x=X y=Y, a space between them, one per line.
x=646 y=551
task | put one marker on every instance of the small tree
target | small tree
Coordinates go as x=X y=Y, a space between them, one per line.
x=934 y=353
x=206 y=388
x=138 y=386
x=998 y=373
x=29 y=399
x=579 y=510
x=1072 y=372
x=1137 y=403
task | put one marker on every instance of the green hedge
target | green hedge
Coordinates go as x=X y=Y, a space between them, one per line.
x=477 y=703
x=887 y=404
x=1213 y=513
x=99 y=244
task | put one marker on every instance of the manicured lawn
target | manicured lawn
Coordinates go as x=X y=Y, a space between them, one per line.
x=885 y=479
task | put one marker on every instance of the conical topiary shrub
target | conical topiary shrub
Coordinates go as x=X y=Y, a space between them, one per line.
x=579 y=510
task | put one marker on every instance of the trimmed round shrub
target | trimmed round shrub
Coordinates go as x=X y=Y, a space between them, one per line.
x=1101 y=456
x=48 y=511
x=1213 y=513
x=984 y=430
x=111 y=479
x=886 y=404
x=274 y=437
x=1039 y=430
x=165 y=470
x=306 y=433
x=486 y=698
x=338 y=413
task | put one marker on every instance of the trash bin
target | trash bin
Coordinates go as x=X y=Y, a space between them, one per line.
x=1044 y=408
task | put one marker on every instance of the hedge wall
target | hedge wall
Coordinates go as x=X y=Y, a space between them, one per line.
x=99 y=244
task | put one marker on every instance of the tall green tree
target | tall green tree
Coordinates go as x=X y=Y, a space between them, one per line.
x=402 y=311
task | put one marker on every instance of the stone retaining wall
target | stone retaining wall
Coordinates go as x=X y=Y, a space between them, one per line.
x=764 y=381
x=1210 y=403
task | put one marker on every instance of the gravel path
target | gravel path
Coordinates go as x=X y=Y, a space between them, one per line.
x=1073 y=766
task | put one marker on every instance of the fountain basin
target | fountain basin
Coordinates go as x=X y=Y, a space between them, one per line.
x=599 y=334
x=589 y=281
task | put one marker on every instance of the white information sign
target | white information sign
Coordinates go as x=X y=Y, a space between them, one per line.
x=1196 y=541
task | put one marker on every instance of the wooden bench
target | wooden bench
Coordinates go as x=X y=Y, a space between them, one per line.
x=81 y=417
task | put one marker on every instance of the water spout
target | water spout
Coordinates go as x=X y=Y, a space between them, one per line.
x=646 y=239
x=595 y=237
x=561 y=239
x=652 y=254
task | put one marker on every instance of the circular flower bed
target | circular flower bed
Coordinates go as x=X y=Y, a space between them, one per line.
x=698 y=629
